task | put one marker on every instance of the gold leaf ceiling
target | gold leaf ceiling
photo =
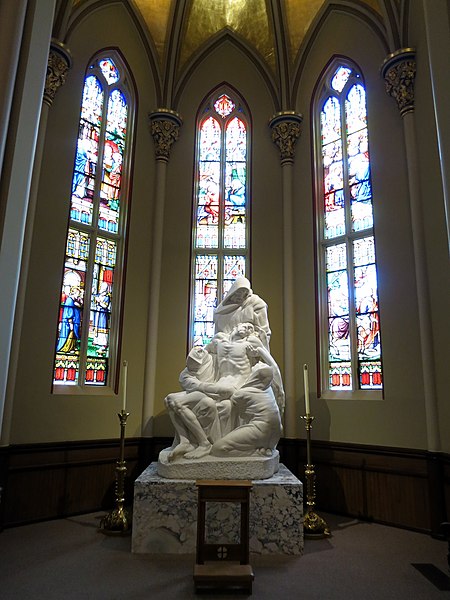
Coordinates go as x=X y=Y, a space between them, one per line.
x=249 y=19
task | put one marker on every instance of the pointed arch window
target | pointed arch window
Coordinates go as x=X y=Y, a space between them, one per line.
x=220 y=237
x=350 y=342
x=89 y=313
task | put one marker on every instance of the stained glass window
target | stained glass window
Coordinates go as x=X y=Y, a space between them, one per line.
x=350 y=320
x=90 y=295
x=221 y=208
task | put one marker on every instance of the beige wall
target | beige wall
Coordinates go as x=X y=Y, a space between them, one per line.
x=37 y=414
x=398 y=419
x=366 y=421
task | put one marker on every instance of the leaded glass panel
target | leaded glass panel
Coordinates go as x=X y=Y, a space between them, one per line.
x=109 y=70
x=83 y=347
x=340 y=78
x=67 y=360
x=220 y=209
x=233 y=267
x=340 y=376
x=210 y=135
x=224 y=106
x=205 y=298
x=86 y=157
x=331 y=121
x=355 y=108
x=350 y=293
x=100 y=313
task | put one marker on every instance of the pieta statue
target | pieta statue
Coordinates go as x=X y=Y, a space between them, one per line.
x=228 y=415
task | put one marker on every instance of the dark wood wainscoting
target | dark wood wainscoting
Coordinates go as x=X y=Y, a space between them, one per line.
x=47 y=481
x=405 y=488
x=395 y=486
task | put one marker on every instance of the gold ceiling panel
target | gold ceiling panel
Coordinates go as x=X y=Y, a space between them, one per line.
x=156 y=15
x=248 y=18
x=300 y=14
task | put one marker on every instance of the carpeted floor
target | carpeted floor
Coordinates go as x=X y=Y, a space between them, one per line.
x=68 y=559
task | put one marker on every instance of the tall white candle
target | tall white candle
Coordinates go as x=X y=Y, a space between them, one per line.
x=124 y=394
x=306 y=382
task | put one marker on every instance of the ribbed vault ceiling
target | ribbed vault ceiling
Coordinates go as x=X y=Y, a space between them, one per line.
x=250 y=19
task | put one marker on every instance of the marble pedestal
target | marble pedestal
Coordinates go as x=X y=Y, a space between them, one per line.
x=165 y=515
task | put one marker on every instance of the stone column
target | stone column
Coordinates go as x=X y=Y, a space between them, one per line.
x=165 y=127
x=58 y=64
x=399 y=71
x=437 y=27
x=17 y=173
x=285 y=132
x=12 y=18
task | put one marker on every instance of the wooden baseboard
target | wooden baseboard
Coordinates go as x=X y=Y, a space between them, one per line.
x=401 y=487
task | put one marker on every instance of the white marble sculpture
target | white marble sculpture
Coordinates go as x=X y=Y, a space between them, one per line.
x=232 y=399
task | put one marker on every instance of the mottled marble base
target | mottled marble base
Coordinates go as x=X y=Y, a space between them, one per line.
x=213 y=467
x=165 y=515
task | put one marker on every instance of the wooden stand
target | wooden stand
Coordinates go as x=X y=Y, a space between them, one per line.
x=222 y=570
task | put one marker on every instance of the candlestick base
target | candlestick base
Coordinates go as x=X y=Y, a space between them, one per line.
x=315 y=527
x=116 y=522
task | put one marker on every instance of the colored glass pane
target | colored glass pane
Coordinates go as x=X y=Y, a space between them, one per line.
x=95 y=202
x=86 y=157
x=207 y=235
x=367 y=313
x=67 y=359
x=235 y=205
x=366 y=298
x=336 y=257
x=340 y=376
x=100 y=312
x=337 y=293
x=330 y=119
x=116 y=119
x=339 y=339
x=359 y=181
x=352 y=314
x=220 y=211
x=364 y=251
x=235 y=184
x=370 y=375
x=205 y=298
x=224 y=106
x=210 y=135
x=236 y=141
x=355 y=109
x=334 y=193
x=116 y=127
x=109 y=70
x=92 y=103
x=340 y=78
x=233 y=267
x=111 y=183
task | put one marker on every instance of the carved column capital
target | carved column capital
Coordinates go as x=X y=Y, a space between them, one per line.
x=59 y=62
x=399 y=73
x=285 y=132
x=165 y=128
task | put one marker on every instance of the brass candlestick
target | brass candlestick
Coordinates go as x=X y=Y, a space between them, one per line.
x=117 y=521
x=313 y=525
